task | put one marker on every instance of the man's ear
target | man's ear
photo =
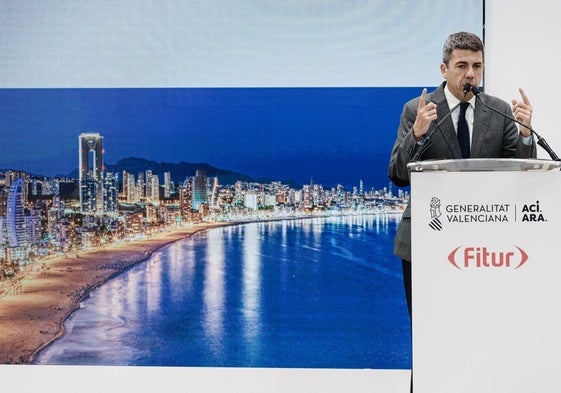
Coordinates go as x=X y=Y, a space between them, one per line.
x=443 y=70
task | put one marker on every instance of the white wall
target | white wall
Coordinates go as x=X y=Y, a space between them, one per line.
x=522 y=42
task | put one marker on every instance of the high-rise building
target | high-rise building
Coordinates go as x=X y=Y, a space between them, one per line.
x=148 y=185
x=155 y=188
x=110 y=193
x=200 y=190
x=130 y=192
x=45 y=186
x=307 y=196
x=33 y=229
x=3 y=202
x=11 y=176
x=91 y=172
x=185 y=199
x=88 y=194
x=213 y=192
x=140 y=187
x=238 y=193
x=167 y=184
x=3 y=234
x=54 y=214
x=152 y=187
x=125 y=185
x=15 y=219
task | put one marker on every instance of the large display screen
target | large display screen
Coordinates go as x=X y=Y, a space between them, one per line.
x=290 y=106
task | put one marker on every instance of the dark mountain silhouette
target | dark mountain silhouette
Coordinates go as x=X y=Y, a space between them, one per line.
x=179 y=172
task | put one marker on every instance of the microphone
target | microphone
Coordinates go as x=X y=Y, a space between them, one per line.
x=426 y=142
x=542 y=142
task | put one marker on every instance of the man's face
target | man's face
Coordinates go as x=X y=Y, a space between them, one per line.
x=465 y=66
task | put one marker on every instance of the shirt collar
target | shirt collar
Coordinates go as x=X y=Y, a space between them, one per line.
x=452 y=100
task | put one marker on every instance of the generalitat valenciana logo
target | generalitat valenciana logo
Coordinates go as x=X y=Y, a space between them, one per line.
x=435 y=214
x=482 y=257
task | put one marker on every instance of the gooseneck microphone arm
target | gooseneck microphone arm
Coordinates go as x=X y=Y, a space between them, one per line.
x=425 y=142
x=542 y=142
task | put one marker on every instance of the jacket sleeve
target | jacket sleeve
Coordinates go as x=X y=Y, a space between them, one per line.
x=524 y=150
x=513 y=141
x=404 y=146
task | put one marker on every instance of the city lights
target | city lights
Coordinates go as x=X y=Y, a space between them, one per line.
x=41 y=216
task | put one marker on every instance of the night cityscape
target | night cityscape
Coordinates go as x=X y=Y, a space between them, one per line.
x=42 y=216
x=202 y=187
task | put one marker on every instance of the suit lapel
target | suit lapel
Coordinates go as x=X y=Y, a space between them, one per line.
x=447 y=127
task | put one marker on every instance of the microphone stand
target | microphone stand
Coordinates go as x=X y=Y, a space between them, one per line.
x=541 y=141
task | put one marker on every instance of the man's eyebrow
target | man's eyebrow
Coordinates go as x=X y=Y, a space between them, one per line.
x=467 y=62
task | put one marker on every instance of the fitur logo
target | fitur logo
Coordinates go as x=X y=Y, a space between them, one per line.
x=435 y=214
x=481 y=257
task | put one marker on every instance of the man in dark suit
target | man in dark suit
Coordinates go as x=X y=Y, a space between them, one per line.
x=490 y=134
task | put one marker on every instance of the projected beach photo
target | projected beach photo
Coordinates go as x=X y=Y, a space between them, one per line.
x=200 y=227
x=204 y=184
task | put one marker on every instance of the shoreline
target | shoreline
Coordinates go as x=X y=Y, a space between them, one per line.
x=32 y=316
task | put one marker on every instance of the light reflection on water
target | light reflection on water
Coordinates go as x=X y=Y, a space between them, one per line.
x=251 y=278
x=154 y=284
x=322 y=292
x=213 y=318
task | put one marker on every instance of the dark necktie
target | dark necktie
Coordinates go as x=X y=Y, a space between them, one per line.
x=463 y=130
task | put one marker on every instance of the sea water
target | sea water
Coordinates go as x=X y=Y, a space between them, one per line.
x=305 y=293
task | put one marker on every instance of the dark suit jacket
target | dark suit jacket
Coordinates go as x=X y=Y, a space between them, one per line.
x=494 y=136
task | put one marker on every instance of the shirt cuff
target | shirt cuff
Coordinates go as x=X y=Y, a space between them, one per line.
x=528 y=140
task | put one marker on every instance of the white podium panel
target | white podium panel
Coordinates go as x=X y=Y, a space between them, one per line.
x=486 y=270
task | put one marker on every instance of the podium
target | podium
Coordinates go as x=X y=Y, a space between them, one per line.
x=486 y=275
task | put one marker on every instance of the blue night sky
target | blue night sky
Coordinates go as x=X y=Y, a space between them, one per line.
x=287 y=90
x=333 y=135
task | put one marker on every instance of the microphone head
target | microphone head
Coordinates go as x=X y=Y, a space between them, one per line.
x=475 y=90
x=467 y=88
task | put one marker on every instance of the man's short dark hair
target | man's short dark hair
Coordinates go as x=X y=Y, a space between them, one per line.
x=461 y=40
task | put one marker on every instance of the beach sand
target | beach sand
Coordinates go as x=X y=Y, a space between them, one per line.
x=33 y=310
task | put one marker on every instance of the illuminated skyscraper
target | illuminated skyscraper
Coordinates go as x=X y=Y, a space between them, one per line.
x=88 y=194
x=185 y=198
x=110 y=193
x=307 y=196
x=152 y=187
x=200 y=190
x=91 y=172
x=15 y=220
x=140 y=187
x=167 y=184
x=212 y=195
x=130 y=191
x=155 y=186
x=148 y=185
x=3 y=201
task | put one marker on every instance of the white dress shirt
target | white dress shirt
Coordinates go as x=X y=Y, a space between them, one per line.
x=470 y=111
x=470 y=115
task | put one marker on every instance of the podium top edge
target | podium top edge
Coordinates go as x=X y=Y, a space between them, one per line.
x=484 y=165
